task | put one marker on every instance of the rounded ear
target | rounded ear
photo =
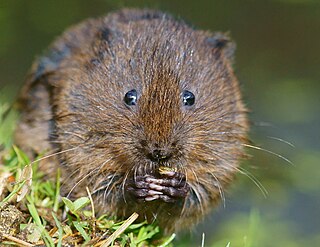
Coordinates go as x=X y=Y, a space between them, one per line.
x=69 y=42
x=48 y=62
x=223 y=43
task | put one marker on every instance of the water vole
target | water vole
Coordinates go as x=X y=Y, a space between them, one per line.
x=142 y=109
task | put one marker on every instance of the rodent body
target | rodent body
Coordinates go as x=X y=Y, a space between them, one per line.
x=143 y=110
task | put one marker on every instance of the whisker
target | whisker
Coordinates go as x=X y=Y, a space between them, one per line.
x=101 y=185
x=73 y=134
x=103 y=163
x=105 y=187
x=198 y=196
x=80 y=181
x=195 y=175
x=263 y=124
x=247 y=174
x=268 y=151
x=123 y=185
x=254 y=180
x=281 y=140
x=64 y=181
x=135 y=174
x=221 y=192
x=107 y=191
x=53 y=154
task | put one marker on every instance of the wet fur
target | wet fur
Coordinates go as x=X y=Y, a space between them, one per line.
x=73 y=102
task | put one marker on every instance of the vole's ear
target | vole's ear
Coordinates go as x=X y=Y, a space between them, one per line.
x=36 y=80
x=223 y=43
x=48 y=62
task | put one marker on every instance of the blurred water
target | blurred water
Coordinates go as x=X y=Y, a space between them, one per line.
x=277 y=62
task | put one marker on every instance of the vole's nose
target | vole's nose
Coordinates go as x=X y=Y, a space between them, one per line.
x=159 y=155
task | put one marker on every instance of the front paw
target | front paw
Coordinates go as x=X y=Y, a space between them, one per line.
x=170 y=187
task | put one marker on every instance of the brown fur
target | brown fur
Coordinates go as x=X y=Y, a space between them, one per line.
x=73 y=99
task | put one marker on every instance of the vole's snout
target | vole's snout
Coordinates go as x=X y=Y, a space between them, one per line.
x=159 y=155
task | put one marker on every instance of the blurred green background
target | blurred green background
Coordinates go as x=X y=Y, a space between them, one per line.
x=278 y=65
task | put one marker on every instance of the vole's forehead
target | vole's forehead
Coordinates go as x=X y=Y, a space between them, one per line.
x=157 y=46
x=167 y=68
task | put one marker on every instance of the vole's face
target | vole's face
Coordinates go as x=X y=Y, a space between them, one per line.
x=139 y=125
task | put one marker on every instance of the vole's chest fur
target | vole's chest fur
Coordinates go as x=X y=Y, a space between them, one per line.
x=143 y=110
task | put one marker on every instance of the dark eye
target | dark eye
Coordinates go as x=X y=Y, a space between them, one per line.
x=188 y=98
x=130 y=98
